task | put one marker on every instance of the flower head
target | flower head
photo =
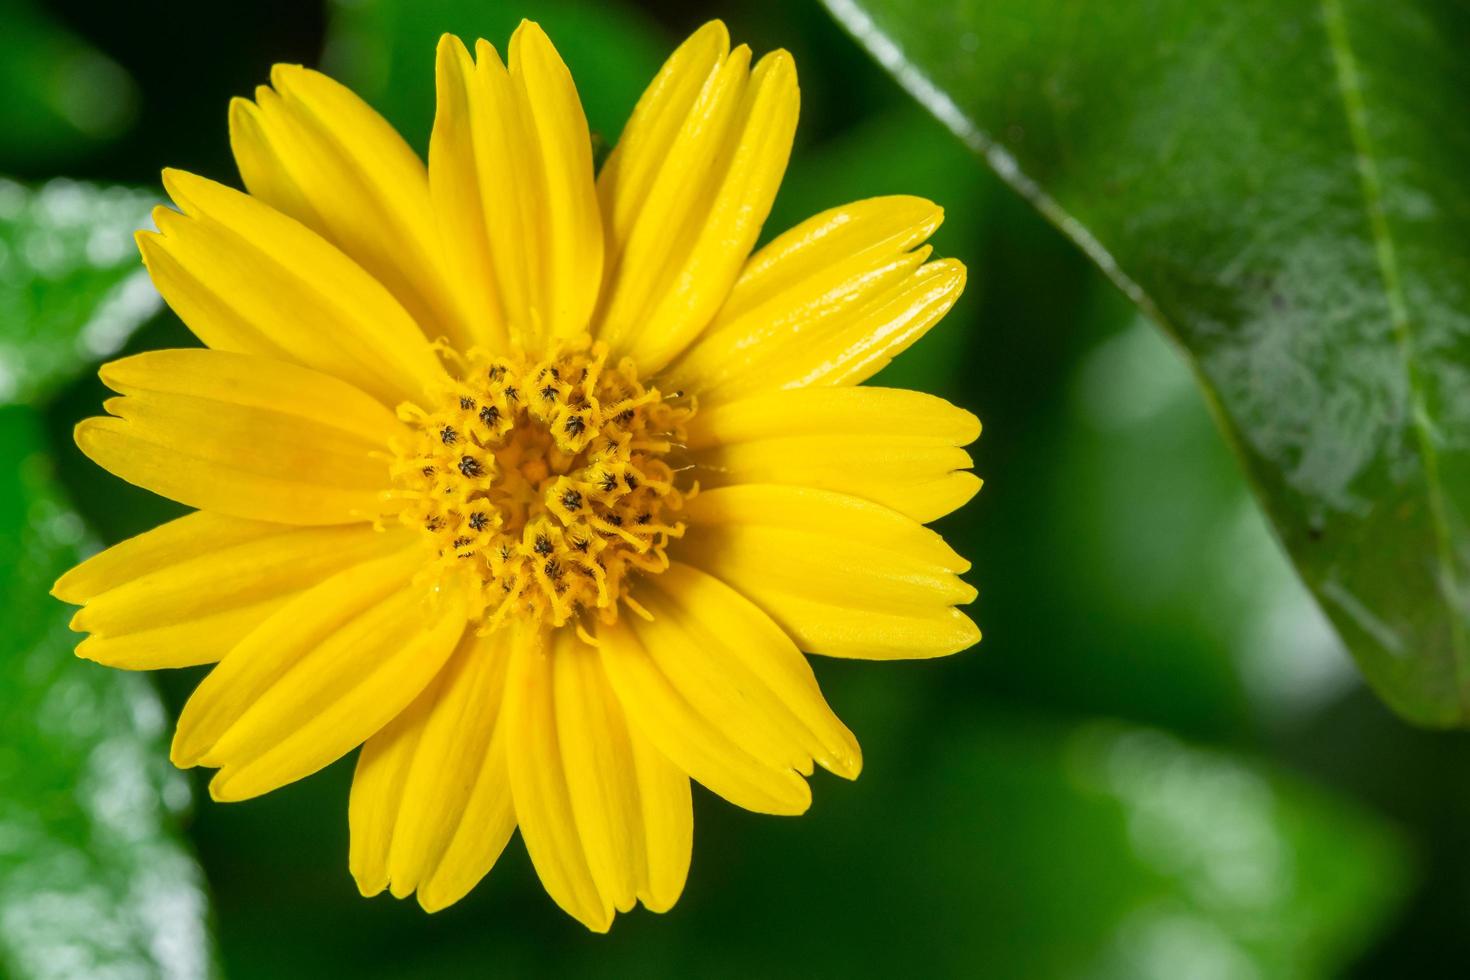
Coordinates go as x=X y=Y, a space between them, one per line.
x=533 y=484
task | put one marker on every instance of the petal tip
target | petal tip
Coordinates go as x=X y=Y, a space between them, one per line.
x=183 y=755
x=180 y=185
x=712 y=33
x=971 y=425
x=599 y=924
x=244 y=125
x=114 y=373
x=847 y=764
x=486 y=53
x=85 y=651
x=369 y=885
x=67 y=590
x=528 y=27
x=283 y=73
x=174 y=175
x=219 y=790
x=776 y=68
x=713 y=27
x=81 y=622
x=434 y=897
x=970 y=633
x=450 y=43
x=155 y=237
x=954 y=271
x=430 y=904
x=84 y=434
x=657 y=905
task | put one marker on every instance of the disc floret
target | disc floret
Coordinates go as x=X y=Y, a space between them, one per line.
x=544 y=485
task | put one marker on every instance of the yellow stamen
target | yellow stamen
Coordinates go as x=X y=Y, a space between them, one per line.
x=543 y=485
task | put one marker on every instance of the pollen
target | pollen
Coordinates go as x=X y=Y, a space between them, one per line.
x=547 y=507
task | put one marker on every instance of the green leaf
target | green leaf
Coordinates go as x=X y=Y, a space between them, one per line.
x=72 y=288
x=1154 y=858
x=384 y=50
x=1280 y=187
x=61 y=94
x=1200 y=863
x=93 y=879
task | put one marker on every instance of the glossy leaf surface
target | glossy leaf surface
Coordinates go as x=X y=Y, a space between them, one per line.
x=1280 y=186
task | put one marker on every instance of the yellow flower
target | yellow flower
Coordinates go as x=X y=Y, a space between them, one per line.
x=532 y=484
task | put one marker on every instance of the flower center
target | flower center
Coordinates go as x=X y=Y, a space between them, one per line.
x=543 y=485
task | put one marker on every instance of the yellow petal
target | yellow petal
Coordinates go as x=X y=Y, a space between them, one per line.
x=316 y=152
x=198 y=585
x=431 y=798
x=833 y=256
x=460 y=205
x=256 y=382
x=601 y=780
x=668 y=823
x=377 y=792
x=291 y=733
x=628 y=175
x=164 y=546
x=659 y=710
x=202 y=639
x=634 y=822
x=448 y=766
x=736 y=666
x=244 y=436
x=842 y=576
x=328 y=670
x=602 y=784
x=489 y=819
x=569 y=220
x=538 y=779
x=250 y=670
x=510 y=172
x=262 y=137
x=246 y=278
x=688 y=188
x=898 y=448
x=829 y=302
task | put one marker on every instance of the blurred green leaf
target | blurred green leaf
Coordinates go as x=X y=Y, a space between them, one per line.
x=1280 y=187
x=71 y=286
x=1025 y=848
x=1169 y=554
x=384 y=50
x=1156 y=859
x=93 y=879
x=61 y=94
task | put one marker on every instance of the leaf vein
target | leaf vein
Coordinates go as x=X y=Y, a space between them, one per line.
x=1350 y=90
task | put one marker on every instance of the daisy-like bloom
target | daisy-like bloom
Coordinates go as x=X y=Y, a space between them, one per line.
x=532 y=483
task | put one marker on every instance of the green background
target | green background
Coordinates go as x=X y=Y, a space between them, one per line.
x=1160 y=762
